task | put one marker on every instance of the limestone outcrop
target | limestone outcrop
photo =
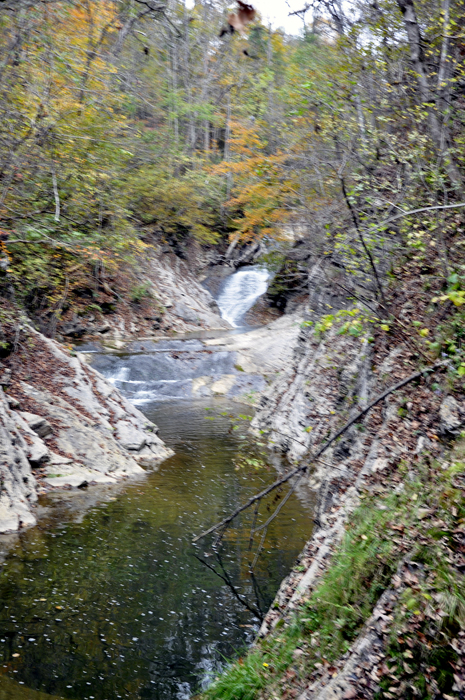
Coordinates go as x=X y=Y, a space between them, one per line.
x=172 y=300
x=238 y=366
x=18 y=485
x=321 y=378
x=64 y=425
x=328 y=381
x=265 y=351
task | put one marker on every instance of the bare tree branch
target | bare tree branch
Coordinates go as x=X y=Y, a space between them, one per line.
x=304 y=467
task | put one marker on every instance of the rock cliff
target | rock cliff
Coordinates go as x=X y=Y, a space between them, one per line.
x=328 y=381
x=63 y=425
x=167 y=298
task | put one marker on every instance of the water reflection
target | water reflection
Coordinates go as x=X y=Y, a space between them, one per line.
x=117 y=605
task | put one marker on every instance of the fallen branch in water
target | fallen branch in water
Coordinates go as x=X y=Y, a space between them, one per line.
x=265 y=525
x=304 y=467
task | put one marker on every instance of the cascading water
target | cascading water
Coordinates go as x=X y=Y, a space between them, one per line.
x=168 y=369
x=116 y=603
x=240 y=292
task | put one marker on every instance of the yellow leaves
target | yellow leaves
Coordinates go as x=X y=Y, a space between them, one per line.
x=260 y=191
x=457 y=297
x=57 y=82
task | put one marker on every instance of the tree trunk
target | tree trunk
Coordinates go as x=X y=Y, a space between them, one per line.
x=417 y=59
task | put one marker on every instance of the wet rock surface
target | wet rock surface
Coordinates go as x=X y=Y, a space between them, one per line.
x=238 y=366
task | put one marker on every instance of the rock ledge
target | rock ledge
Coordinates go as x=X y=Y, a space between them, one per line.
x=67 y=426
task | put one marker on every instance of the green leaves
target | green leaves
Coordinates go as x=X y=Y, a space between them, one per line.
x=457 y=297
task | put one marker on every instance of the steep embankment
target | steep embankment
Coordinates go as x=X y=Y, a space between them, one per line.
x=374 y=606
x=65 y=425
x=163 y=296
x=62 y=424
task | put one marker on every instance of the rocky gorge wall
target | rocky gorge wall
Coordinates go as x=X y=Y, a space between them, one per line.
x=168 y=298
x=63 y=425
x=329 y=380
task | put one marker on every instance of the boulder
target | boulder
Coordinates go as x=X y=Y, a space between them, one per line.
x=75 y=329
x=185 y=313
x=39 y=425
x=104 y=328
x=449 y=413
x=36 y=450
x=5 y=377
x=37 y=453
x=130 y=437
x=147 y=458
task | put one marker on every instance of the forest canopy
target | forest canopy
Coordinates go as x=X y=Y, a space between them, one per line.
x=126 y=121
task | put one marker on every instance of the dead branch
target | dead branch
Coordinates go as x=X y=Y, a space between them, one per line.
x=459 y=205
x=304 y=467
x=230 y=585
x=265 y=525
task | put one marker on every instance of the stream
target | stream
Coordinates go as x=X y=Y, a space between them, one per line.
x=107 y=597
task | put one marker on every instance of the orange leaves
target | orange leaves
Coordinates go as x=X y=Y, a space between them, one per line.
x=260 y=186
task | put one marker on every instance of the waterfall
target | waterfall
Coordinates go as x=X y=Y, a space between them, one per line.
x=240 y=292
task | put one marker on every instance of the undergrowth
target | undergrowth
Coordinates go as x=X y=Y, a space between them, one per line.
x=421 y=522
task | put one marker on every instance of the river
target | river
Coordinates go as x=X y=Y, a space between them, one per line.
x=107 y=597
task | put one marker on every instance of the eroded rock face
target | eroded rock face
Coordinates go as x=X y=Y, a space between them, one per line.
x=129 y=436
x=304 y=402
x=18 y=486
x=179 y=303
x=81 y=430
x=37 y=423
x=330 y=378
x=36 y=450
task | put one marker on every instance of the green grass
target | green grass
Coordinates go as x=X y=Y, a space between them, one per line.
x=383 y=530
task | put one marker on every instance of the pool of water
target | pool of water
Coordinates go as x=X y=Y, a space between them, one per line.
x=113 y=603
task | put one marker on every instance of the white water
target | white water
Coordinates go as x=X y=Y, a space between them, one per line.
x=165 y=370
x=240 y=293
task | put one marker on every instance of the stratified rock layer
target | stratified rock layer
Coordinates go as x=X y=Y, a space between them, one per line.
x=68 y=429
x=18 y=485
